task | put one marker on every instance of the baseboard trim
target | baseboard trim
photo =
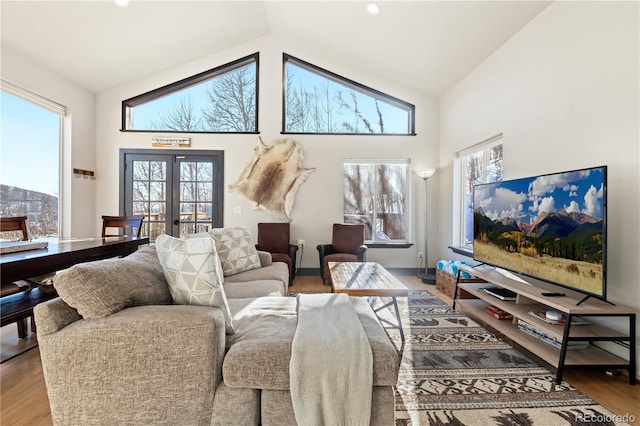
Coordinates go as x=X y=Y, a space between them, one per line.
x=408 y=272
x=308 y=272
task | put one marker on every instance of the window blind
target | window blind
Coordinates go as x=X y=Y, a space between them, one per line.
x=32 y=97
x=494 y=140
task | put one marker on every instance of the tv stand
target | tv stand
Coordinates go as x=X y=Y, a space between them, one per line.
x=483 y=264
x=529 y=298
x=588 y=296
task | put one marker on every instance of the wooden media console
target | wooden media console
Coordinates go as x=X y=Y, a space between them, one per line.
x=529 y=298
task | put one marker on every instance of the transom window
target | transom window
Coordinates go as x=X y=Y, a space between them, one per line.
x=221 y=100
x=375 y=194
x=318 y=101
x=481 y=163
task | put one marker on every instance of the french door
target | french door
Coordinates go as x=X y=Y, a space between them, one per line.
x=179 y=192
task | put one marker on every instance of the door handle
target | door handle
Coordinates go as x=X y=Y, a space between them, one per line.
x=176 y=222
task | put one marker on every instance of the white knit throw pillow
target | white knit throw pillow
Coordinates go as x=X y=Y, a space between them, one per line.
x=194 y=274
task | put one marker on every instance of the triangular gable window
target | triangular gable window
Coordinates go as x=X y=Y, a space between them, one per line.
x=221 y=100
x=321 y=102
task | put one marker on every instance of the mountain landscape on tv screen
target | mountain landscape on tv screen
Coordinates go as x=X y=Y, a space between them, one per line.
x=575 y=235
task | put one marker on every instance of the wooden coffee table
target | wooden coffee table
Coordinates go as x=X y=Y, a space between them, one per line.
x=369 y=279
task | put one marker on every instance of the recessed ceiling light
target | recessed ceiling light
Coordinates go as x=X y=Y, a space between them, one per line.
x=373 y=8
x=122 y=2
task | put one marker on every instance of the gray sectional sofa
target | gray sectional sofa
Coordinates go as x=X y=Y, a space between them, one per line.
x=144 y=360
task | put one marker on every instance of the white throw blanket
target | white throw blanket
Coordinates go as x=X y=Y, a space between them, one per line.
x=331 y=368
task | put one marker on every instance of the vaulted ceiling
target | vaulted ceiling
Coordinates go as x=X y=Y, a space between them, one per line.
x=427 y=45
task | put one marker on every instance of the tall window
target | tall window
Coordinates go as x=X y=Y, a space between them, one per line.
x=29 y=182
x=221 y=100
x=318 y=101
x=481 y=163
x=375 y=194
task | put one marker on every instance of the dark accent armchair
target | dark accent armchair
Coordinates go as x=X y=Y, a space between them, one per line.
x=274 y=238
x=347 y=245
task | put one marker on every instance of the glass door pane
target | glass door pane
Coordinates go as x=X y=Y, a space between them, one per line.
x=149 y=197
x=197 y=180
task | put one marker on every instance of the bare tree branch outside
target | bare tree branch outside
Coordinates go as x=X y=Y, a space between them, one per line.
x=41 y=211
x=225 y=103
x=375 y=194
x=484 y=165
x=232 y=102
x=319 y=103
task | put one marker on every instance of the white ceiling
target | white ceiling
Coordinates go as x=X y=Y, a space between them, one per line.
x=427 y=45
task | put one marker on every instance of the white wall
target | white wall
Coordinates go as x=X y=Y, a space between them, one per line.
x=319 y=201
x=77 y=195
x=564 y=92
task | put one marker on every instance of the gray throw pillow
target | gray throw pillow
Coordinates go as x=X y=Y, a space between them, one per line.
x=104 y=287
x=192 y=269
x=237 y=252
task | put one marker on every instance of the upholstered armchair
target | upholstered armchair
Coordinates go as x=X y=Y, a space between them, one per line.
x=274 y=238
x=347 y=245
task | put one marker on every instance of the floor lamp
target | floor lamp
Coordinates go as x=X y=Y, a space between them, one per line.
x=425 y=174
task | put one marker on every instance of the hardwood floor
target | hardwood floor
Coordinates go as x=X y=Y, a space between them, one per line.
x=24 y=400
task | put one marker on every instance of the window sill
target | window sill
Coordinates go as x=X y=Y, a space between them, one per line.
x=464 y=251
x=348 y=134
x=389 y=245
x=190 y=132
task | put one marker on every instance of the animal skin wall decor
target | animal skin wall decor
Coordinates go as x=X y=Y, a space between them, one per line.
x=272 y=177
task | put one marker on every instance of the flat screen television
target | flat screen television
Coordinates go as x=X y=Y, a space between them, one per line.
x=551 y=227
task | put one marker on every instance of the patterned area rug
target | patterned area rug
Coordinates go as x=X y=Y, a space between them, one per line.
x=455 y=372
